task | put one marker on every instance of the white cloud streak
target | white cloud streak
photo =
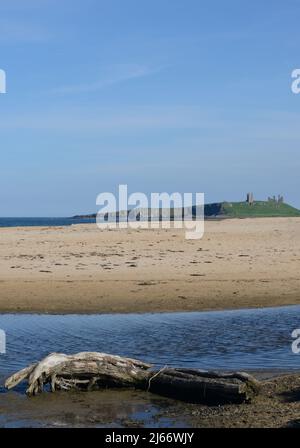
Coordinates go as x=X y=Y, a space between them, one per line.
x=116 y=74
x=22 y=31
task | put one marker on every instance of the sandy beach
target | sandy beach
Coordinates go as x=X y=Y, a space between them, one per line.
x=82 y=269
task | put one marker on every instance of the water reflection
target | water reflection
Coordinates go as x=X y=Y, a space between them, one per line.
x=240 y=339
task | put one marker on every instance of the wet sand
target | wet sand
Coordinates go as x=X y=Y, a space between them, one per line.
x=81 y=269
x=278 y=405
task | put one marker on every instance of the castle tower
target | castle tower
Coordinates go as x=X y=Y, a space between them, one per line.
x=250 y=198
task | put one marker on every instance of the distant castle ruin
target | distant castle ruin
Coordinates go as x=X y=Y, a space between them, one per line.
x=276 y=200
x=250 y=198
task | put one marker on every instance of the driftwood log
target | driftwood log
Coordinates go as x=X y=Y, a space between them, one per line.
x=92 y=371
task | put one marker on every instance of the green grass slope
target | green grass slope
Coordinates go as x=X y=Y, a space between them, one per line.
x=245 y=210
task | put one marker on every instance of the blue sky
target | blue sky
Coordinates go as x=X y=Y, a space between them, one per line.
x=163 y=95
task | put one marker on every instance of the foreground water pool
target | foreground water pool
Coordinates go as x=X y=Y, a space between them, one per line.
x=251 y=339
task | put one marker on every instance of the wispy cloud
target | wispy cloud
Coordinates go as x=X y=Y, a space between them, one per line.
x=15 y=31
x=214 y=125
x=105 y=120
x=17 y=5
x=114 y=75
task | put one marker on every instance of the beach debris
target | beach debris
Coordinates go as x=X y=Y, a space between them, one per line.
x=201 y=386
x=82 y=370
x=94 y=371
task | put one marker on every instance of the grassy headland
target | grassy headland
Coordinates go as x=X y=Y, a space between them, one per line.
x=259 y=209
